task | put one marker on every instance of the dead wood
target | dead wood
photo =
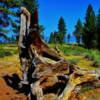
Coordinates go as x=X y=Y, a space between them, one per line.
x=74 y=80
x=53 y=73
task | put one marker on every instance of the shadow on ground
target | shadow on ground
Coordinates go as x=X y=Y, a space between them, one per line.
x=14 y=81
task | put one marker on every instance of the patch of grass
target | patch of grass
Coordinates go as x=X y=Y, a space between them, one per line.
x=94 y=56
x=4 y=53
x=7 y=45
x=7 y=51
x=74 y=61
x=96 y=63
x=14 y=51
x=70 y=49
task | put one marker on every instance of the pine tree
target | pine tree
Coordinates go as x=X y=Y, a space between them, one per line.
x=31 y=5
x=9 y=16
x=62 y=30
x=89 y=34
x=41 y=31
x=68 y=38
x=4 y=19
x=56 y=37
x=51 y=38
x=98 y=29
x=78 y=32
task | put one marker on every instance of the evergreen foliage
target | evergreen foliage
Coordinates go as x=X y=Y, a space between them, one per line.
x=51 y=38
x=98 y=29
x=68 y=38
x=54 y=37
x=9 y=17
x=62 y=30
x=31 y=5
x=78 y=32
x=89 y=32
x=41 y=31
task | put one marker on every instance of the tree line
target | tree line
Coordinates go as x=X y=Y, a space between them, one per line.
x=89 y=32
x=86 y=33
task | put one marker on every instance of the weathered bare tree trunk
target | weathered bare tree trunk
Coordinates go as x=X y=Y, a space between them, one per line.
x=23 y=53
x=24 y=25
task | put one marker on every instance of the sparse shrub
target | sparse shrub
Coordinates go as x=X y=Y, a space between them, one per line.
x=94 y=56
x=8 y=49
x=14 y=51
x=96 y=63
x=71 y=49
x=7 y=53
x=91 y=54
x=4 y=53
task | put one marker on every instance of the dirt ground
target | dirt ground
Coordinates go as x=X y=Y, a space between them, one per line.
x=10 y=78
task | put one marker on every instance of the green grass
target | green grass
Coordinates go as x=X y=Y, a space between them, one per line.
x=73 y=60
x=92 y=55
x=7 y=50
x=7 y=45
x=96 y=62
x=4 y=53
x=70 y=49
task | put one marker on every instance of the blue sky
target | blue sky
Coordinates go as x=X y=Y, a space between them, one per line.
x=51 y=10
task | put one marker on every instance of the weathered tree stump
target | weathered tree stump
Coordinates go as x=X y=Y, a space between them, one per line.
x=51 y=73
